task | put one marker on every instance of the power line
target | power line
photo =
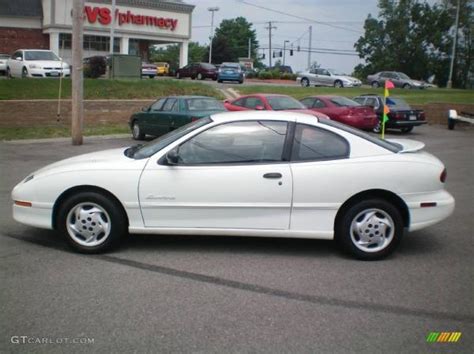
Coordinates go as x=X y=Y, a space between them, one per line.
x=299 y=17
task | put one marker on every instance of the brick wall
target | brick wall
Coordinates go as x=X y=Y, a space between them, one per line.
x=12 y=39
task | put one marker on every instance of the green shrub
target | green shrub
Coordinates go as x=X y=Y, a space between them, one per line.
x=264 y=75
x=288 y=76
x=95 y=67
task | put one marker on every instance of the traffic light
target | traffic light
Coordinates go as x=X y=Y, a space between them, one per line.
x=281 y=53
x=274 y=54
x=263 y=56
x=291 y=52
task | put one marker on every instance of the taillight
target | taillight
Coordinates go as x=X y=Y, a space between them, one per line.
x=443 y=176
x=193 y=119
x=422 y=115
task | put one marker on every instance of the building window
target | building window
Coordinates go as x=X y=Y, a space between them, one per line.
x=95 y=43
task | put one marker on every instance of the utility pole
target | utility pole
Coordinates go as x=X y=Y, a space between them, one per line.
x=250 y=48
x=269 y=28
x=77 y=79
x=112 y=29
x=453 y=52
x=284 y=50
x=212 y=10
x=309 y=46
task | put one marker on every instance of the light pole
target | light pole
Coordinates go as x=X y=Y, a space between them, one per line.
x=284 y=50
x=453 y=52
x=212 y=10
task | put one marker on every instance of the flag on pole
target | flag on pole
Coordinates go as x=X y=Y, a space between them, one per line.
x=388 y=85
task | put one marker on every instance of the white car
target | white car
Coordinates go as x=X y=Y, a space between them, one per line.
x=326 y=77
x=254 y=173
x=36 y=63
x=3 y=63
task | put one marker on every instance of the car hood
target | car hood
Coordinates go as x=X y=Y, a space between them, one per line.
x=348 y=78
x=107 y=159
x=48 y=63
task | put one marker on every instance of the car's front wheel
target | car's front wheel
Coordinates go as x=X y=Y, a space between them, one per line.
x=375 y=84
x=304 y=82
x=378 y=128
x=178 y=76
x=24 y=73
x=338 y=84
x=407 y=86
x=370 y=229
x=91 y=222
x=200 y=77
x=137 y=132
x=9 y=73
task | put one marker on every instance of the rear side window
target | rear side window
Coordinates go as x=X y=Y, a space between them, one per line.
x=253 y=102
x=313 y=144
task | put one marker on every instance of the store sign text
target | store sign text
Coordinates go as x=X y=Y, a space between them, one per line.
x=103 y=15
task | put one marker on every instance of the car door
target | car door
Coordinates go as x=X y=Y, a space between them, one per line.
x=313 y=77
x=230 y=176
x=254 y=103
x=238 y=105
x=149 y=120
x=318 y=164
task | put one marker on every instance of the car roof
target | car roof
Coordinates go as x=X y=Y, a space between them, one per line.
x=36 y=50
x=264 y=115
x=188 y=97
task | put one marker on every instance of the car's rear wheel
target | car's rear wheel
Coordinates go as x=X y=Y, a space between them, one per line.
x=304 y=82
x=151 y=76
x=407 y=86
x=338 y=84
x=370 y=229
x=200 y=77
x=407 y=129
x=91 y=222
x=9 y=73
x=178 y=76
x=375 y=84
x=137 y=132
x=24 y=73
x=378 y=128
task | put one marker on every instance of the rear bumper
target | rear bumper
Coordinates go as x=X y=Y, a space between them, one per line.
x=421 y=217
x=404 y=123
x=237 y=77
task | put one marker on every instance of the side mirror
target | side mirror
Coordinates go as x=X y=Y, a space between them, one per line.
x=259 y=108
x=226 y=101
x=18 y=58
x=172 y=157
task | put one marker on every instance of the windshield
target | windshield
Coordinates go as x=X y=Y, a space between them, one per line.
x=149 y=149
x=40 y=55
x=4 y=56
x=404 y=76
x=281 y=103
x=397 y=103
x=230 y=66
x=393 y=147
x=344 y=102
x=204 y=104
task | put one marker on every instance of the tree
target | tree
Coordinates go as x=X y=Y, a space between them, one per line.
x=416 y=38
x=170 y=54
x=231 y=41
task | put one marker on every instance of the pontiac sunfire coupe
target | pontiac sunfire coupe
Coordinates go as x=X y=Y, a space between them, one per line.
x=271 y=174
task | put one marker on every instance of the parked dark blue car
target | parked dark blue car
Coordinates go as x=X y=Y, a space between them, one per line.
x=230 y=72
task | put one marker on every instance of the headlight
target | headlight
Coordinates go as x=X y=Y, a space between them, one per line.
x=34 y=66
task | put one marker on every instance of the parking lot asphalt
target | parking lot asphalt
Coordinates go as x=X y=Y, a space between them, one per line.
x=223 y=294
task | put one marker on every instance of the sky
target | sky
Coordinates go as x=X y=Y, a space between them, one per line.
x=343 y=25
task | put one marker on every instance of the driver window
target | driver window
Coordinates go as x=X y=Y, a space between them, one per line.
x=157 y=105
x=253 y=102
x=169 y=104
x=238 y=142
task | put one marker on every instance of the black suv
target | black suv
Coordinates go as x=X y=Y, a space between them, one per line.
x=401 y=115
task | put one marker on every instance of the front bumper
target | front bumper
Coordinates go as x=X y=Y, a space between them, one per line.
x=53 y=72
x=37 y=215
x=149 y=72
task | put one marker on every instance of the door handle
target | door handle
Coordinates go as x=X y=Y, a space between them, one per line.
x=272 y=175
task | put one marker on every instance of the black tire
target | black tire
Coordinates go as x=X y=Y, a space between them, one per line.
x=451 y=123
x=407 y=129
x=193 y=77
x=137 y=133
x=338 y=84
x=407 y=86
x=200 y=76
x=378 y=128
x=9 y=73
x=304 y=82
x=94 y=207
x=24 y=73
x=219 y=81
x=375 y=84
x=350 y=242
x=241 y=81
x=178 y=76
x=151 y=76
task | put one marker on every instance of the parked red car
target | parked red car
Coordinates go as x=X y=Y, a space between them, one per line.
x=344 y=110
x=198 y=71
x=270 y=102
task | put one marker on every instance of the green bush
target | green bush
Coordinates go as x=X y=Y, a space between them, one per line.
x=250 y=74
x=288 y=76
x=264 y=75
x=95 y=67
